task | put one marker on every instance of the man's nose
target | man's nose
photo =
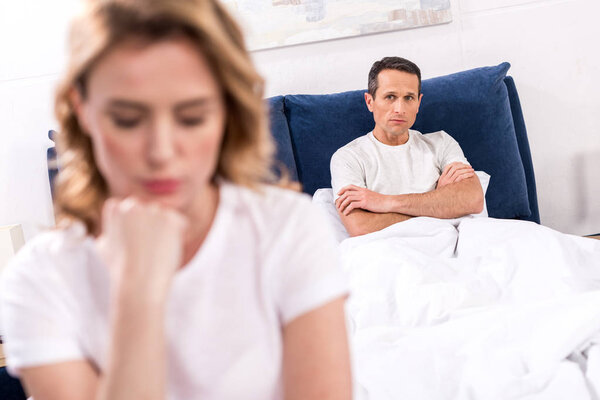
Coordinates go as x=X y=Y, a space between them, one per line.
x=398 y=106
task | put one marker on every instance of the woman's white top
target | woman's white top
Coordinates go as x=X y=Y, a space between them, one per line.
x=269 y=257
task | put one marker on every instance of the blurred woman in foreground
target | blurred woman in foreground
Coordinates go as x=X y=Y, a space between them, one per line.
x=176 y=273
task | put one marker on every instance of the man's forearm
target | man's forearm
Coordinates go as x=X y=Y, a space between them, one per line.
x=450 y=201
x=364 y=211
x=360 y=222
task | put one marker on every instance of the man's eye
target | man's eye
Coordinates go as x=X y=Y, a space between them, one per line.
x=409 y=97
x=126 y=123
x=390 y=97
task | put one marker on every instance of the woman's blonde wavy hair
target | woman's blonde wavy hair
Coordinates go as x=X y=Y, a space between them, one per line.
x=247 y=148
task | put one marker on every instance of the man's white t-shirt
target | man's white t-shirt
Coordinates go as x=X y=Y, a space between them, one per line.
x=268 y=258
x=413 y=167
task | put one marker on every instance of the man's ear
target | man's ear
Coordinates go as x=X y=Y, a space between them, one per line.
x=369 y=101
x=420 y=98
x=78 y=105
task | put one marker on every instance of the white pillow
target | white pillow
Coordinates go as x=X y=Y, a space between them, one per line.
x=324 y=199
x=484 y=180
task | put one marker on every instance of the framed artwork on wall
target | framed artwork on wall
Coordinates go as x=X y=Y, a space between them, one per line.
x=276 y=23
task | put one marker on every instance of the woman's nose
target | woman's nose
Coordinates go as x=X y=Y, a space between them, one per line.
x=161 y=144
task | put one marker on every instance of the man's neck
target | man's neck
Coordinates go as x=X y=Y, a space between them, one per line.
x=390 y=139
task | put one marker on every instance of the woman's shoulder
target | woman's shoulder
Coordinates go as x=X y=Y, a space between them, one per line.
x=272 y=208
x=269 y=199
x=54 y=247
x=72 y=237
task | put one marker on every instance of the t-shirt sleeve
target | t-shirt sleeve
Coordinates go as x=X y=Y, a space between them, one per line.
x=37 y=317
x=345 y=170
x=308 y=268
x=450 y=151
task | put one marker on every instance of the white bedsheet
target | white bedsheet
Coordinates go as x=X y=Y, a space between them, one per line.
x=477 y=308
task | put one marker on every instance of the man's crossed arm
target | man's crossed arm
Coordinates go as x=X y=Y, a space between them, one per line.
x=458 y=193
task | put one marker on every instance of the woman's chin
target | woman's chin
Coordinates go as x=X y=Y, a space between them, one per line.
x=173 y=200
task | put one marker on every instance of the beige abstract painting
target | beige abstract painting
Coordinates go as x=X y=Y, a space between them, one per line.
x=275 y=23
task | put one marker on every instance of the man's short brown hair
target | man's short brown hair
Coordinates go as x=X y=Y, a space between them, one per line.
x=397 y=63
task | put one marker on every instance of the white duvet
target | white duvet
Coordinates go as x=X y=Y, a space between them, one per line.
x=474 y=309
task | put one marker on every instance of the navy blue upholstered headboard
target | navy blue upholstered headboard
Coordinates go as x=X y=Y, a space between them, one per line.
x=524 y=151
x=52 y=162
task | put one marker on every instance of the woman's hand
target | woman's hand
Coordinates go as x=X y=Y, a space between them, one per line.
x=142 y=244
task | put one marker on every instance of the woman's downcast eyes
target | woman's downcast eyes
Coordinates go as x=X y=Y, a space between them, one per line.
x=129 y=115
x=125 y=123
x=132 y=122
x=191 y=121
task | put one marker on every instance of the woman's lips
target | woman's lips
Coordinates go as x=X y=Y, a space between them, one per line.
x=162 y=186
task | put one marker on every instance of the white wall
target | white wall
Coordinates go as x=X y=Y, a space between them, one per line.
x=32 y=37
x=551 y=45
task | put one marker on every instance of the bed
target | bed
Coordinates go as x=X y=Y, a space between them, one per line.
x=493 y=306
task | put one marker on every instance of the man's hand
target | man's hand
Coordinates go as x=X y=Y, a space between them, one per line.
x=455 y=172
x=354 y=197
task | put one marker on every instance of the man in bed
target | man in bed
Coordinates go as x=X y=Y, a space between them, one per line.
x=394 y=173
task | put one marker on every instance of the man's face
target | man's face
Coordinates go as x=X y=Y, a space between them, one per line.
x=395 y=105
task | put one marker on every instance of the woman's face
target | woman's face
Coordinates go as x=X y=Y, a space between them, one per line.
x=156 y=116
